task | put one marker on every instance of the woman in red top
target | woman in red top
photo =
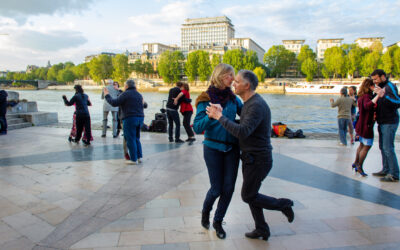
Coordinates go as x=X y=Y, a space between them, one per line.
x=186 y=110
x=365 y=123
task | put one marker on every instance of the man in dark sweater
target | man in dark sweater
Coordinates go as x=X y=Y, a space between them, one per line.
x=254 y=133
x=3 y=112
x=387 y=118
x=173 y=115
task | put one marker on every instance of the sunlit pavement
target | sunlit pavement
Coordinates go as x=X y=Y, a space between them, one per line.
x=58 y=195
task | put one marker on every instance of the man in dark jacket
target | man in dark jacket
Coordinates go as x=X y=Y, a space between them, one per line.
x=254 y=132
x=387 y=118
x=173 y=115
x=3 y=111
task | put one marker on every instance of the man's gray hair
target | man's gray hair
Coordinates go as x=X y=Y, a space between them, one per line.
x=249 y=77
x=131 y=83
x=343 y=91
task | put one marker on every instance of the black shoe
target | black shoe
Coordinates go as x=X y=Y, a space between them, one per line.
x=191 y=139
x=256 y=234
x=288 y=212
x=70 y=139
x=171 y=139
x=219 y=231
x=103 y=136
x=115 y=136
x=86 y=143
x=179 y=141
x=380 y=173
x=205 y=220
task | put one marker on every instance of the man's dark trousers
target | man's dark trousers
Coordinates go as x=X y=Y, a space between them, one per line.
x=255 y=168
x=173 y=117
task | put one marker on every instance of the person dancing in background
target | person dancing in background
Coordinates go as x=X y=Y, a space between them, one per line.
x=221 y=150
x=365 y=123
x=81 y=102
x=186 y=110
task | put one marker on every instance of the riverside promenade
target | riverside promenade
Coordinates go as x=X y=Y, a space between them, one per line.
x=60 y=195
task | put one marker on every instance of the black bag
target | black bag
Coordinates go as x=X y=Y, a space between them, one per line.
x=160 y=117
x=158 y=126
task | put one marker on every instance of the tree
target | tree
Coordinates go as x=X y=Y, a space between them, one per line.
x=215 y=60
x=309 y=68
x=250 y=60
x=396 y=62
x=234 y=58
x=147 y=68
x=305 y=52
x=137 y=67
x=354 y=58
x=53 y=71
x=100 y=68
x=376 y=47
x=66 y=75
x=192 y=65
x=278 y=59
x=260 y=73
x=334 y=60
x=387 y=62
x=170 y=66
x=121 y=68
x=369 y=63
x=324 y=71
x=81 y=71
x=204 y=69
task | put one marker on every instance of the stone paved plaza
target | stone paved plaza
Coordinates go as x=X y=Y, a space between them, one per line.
x=58 y=195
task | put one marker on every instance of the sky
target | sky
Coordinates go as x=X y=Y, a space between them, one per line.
x=33 y=32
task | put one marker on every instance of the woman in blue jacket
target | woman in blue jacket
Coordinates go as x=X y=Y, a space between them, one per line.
x=221 y=150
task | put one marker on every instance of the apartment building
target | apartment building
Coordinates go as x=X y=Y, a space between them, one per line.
x=366 y=42
x=324 y=44
x=293 y=45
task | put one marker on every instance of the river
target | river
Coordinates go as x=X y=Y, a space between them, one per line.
x=311 y=113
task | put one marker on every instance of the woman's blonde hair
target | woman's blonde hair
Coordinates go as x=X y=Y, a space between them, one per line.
x=219 y=71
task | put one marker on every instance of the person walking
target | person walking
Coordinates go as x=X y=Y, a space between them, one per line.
x=132 y=115
x=186 y=110
x=387 y=117
x=81 y=102
x=113 y=92
x=220 y=149
x=254 y=134
x=173 y=115
x=365 y=124
x=344 y=104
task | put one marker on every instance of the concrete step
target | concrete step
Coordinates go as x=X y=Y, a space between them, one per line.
x=19 y=125
x=11 y=116
x=11 y=121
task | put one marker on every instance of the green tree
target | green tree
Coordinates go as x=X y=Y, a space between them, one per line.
x=369 y=63
x=396 y=62
x=335 y=62
x=137 y=67
x=324 y=71
x=250 y=60
x=121 y=68
x=192 y=65
x=53 y=71
x=376 y=47
x=204 y=69
x=148 y=68
x=81 y=71
x=170 y=66
x=66 y=75
x=100 y=68
x=260 y=73
x=68 y=65
x=215 y=60
x=305 y=52
x=309 y=67
x=354 y=58
x=278 y=59
x=42 y=73
x=234 y=58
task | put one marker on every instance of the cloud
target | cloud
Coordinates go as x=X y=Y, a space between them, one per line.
x=20 y=10
x=44 y=41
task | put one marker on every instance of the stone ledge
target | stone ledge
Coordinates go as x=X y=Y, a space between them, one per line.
x=40 y=118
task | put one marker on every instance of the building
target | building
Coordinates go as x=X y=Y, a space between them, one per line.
x=247 y=44
x=293 y=45
x=157 y=48
x=89 y=58
x=31 y=68
x=367 y=41
x=133 y=56
x=324 y=44
x=209 y=30
x=3 y=74
x=389 y=46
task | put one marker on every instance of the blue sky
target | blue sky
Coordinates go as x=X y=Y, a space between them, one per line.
x=68 y=30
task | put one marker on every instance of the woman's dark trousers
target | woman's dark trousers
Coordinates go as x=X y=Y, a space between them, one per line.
x=186 y=123
x=222 y=171
x=255 y=168
x=83 y=121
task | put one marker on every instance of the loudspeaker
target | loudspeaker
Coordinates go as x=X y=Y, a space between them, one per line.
x=160 y=117
x=159 y=126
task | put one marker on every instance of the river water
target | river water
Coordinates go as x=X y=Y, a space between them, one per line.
x=311 y=113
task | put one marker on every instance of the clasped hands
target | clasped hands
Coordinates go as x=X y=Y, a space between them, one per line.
x=379 y=91
x=214 y=111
